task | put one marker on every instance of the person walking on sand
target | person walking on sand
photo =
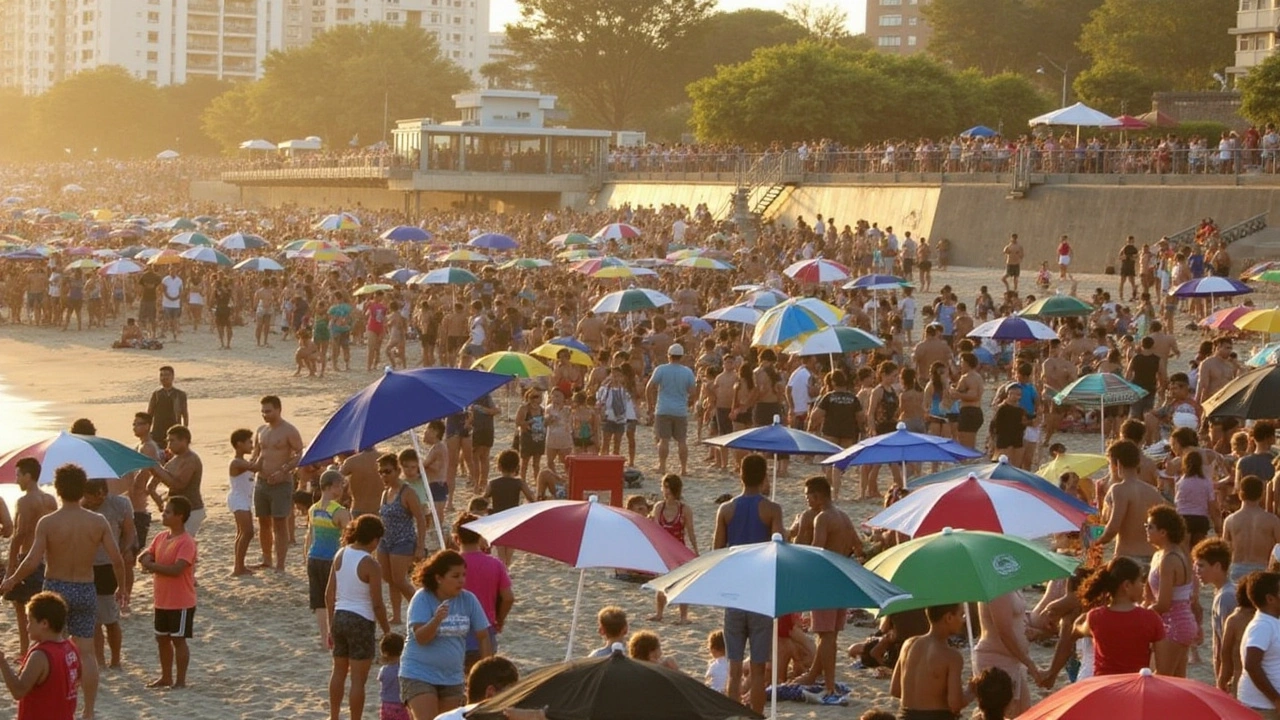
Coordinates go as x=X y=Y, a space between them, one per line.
x=277 y=447
x=66 y=541
x=167 y=407
x=325 y=521
x=353 y=600
x=32 y=505
x=668 y=399
x=171 y=559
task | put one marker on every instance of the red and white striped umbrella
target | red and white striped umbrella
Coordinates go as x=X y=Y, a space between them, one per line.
x=617 y=231
x=584 y=534
x=973 y=504
x=817 y=271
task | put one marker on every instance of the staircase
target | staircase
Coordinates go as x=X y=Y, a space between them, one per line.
x=772 y=174
x=1240 y=230
x=762 y=204
x=1020 y=185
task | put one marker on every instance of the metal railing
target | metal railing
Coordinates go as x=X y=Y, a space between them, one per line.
x=1239 y=231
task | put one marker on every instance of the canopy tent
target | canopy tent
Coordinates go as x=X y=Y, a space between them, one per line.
x=1129 y=122
x=308 y=143
x=257 y=144
x=1078 y=115
x=167 y=155
x=1155 y=118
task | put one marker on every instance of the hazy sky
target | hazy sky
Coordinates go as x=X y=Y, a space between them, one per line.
x=502 y=12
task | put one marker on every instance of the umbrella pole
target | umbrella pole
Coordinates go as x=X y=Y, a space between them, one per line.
x=431 y=506
x=577 y=605
x=973 y=649
x=773 y=693
x=773 y=485
x=1102 y=425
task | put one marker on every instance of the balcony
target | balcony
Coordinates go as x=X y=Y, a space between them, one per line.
x=198 y=25
x=239 y=48
x=1264 y=20
x=204 y=7
x=240 y=8
x=201 y=43
x=239 y=28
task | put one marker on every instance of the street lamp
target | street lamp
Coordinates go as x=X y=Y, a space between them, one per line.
x=1060 y=68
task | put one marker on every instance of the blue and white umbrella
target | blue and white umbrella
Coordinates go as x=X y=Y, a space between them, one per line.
x=1098 y=390
x=741 y=314
x=793 y=319
x=980 y=131
x=697 y=325
x=1265 y=356
x=242 y=241
x=902 y=446
x=400 y=275
x=1013 y=328
x=764 y=298
x=1211 y=287
x=494 y=241
x=875 y=282
x=777 y=439
x=406 y=233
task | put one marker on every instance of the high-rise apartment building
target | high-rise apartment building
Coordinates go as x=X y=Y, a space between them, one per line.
x=1255 y=34
x=897 y=26
x=169 y=41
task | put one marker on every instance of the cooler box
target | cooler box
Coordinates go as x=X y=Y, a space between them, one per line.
x=596 y=474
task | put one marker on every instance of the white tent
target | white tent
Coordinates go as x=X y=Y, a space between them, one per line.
x=1079 y=115
x=309 y=143
x=166 y=154
x=257 y=145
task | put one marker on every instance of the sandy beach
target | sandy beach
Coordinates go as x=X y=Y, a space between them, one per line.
x=256 y=654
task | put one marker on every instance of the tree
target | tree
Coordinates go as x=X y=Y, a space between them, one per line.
x=104 y=111
x=606 y=58
x=1259 y=93
x=16 y=112
x=825 y=23
x=1006 y=35
x=1181 y=47
x=1114 y=88
x=178 y=125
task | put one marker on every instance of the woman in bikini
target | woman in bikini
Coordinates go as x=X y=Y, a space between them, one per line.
x=1172 y=591
x=674 y=516
x=585 y=422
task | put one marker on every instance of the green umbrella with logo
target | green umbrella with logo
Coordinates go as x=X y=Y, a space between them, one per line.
x=964 y=566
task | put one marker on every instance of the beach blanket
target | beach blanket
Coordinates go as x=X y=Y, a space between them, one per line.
x=143 y=344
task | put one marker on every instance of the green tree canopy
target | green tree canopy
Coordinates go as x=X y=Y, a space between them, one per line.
x=1006 y=35
x=16 y=117
x=349 y=83
x=1181 y=47
x=104 y=111
x=1115 y=89
x=1259 y=93
x=178 y=123
x=606 y=59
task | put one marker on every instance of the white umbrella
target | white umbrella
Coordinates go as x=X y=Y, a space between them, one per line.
x=257 y=145
x=167 y=155
x=123 y=266
x=742 y=314
x=1079 y=115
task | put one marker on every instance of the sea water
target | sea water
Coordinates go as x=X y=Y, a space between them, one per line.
x=22 y=422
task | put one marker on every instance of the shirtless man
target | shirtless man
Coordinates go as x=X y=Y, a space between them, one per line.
x=138 y=482
x=264 y=303
x=1166 y=345
x=931 y=350
x=722 y=391
x=1251 y=531
x=361 y=472
x=1055 y=374
x=826 y=526
x=968 y=390
x=181 y=475
x=277 y=447
x=1216 y=370
x=927 y=677
x=31 y=506
x=66 y=540
x=590 y=331
x=455 y=330
x=1135 y=431
x=1124 y=509
x=1013 y=253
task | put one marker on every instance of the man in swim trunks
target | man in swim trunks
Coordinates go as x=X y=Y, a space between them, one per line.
x=1013 y=253
x=31 y=506
x=968 y=390
x=1251 y=531
x=1125 y=506
x=277 y=447
x=66 y=540
x=926 y=678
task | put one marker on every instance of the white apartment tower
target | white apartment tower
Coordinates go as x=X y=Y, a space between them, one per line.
x=169 y=41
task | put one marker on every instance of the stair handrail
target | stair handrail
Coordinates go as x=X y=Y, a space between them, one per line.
x=1230 y=234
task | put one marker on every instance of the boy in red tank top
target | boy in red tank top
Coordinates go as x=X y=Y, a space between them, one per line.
x=47 y=684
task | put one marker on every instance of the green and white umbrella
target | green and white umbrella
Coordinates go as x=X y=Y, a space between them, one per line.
x=1099 y=390
x=631 y=301
x=100 y=457
x=834 y=340
x=444 y=276
x=206 y=255
x=1057 y=306
x=525 y=264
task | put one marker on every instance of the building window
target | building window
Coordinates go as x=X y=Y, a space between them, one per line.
x=393 y=17
x=889 y=41
x=153 y=56
x=913 y=21
x=1246 y=5
x=911 y=40
x=152 y=76
x=153 y=37
x=884 y=3
x=890 y=20
x=153 y=18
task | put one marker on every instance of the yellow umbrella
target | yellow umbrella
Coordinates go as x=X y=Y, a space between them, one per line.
x=576 y=356
x=101 y=215
x=1267 y=321
x=512 y=363
x=1082 y=464
x=166 y=257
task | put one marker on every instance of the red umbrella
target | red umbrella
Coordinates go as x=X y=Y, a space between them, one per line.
x=974 y=504
x=1129 y=122
x=1225 y=319
x=1157 y=118
x=1141 y=696
x=585 y=534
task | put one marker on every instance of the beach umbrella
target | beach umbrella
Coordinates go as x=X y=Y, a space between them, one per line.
x=777 y=439
x=621 y=271
x=257 y=144
x=372 y=288
x=741 y=314
x=123 y=266
x=775 y=578
x=703 y=263
x=525 y=264
x=206 y=255
x=1082 y=464
x=243 y=241
x=132 y=232
x=584 y=534
x=325 y=255
x=259 y=264
x=309 y=244
x=697 y=325
x=1002 y=472
x=179 y=223
x=1226 y=318
x=570 y=239
x=1156 y=118
x=106 y=253
x=1098 y=390
x=875 y=282
x=1263 y=321
x=608 y=687
x=406 y=233
x=101 y=215
x=461 y=255
x=817 y=270
x=590 y=265
x=1211 y=287
x=494 y=241
x=973 y=504
x=764 y=298
x=834 y=340
x=514 y=364
x=99 y=456
x=901 y=446
x=1057 y=306
x=1078 y=115
x=1253 y=271
x=398 y=402
x=578 y=254
x=1265 y=356
x=68 y=216
x=1013 y=328
x=167 y=155
x=338 y=221
x=792 y=319
x=686 y=253
x=1139 y=696
x=549 y=350
x=1128 y=122
x=164 y=257
x=979 y=131
x=964 y=566
x=444 y=276
x=625 y=301
x=12 y=200
x=400 y=275
x=84 y=264
x=617 y=231
x=570 y=342
x=190 y=239
x=1252 y=396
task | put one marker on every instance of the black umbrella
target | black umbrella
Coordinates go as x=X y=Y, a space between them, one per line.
x=1252 y=396
x=613 y=688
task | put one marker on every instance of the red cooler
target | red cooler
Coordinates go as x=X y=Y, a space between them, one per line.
x=594 y=475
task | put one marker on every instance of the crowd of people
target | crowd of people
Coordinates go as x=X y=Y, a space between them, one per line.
x=1202 y=511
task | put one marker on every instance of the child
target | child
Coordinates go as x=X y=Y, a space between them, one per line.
x=1123 y=631
x=172 y=562
x=717 y=676
x=392 y=708
x=993 y=689
x=326 y=520
x=1213 y=567
x=306 y=353
x=646 y=646
x=927 y=676
x=240 y=496
x=504 y=492
x=586 y=425
x=612 y=622
x=46 y=685
x=1043 y=278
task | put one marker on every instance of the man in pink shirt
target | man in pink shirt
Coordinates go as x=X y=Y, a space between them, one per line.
x=487 y=579
x=171 y=558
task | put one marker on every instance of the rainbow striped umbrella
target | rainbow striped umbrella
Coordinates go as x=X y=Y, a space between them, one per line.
x=703 y=263
x=512 y=363
x=309 y=244
x=570 y=239
x=787 y=322
x=339 y=221
x=323 y=255
x=462 y=255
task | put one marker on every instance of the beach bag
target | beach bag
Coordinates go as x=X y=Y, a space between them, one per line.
x=632 y=478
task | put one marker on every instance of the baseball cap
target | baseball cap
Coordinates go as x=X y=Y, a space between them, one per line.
x=676 y=350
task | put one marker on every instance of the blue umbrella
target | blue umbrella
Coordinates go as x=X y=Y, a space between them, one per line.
x=1002 y=471
x=400 y=275
x=697 y=325
x=875 y=281
x=570 y=342
x=406 y=233
x=494 y=241
x=1211 y=287
x=981 y=131
x=398 y=402
x=777 y=439
x=1265 y=356
x=1014 y=328
x=1098 y=390
x=901 y=446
